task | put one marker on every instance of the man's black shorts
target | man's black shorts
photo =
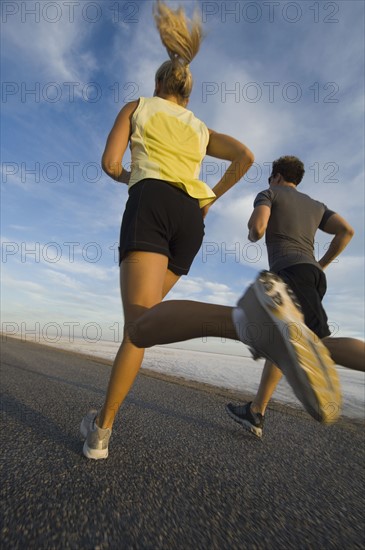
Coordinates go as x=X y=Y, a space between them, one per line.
x=162 y=218
x=309 y=285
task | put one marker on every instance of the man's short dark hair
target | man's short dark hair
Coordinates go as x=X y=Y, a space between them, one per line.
x=291 y=169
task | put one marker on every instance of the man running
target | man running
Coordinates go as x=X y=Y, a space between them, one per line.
x=290 y=219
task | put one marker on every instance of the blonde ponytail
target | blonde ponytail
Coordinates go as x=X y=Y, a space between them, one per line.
x=181 y=38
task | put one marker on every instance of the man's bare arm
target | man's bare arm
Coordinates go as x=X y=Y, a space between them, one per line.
x=343 y=233
x=257 y=223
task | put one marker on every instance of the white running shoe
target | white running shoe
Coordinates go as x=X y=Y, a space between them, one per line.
x=268 y=320
x=96 y=439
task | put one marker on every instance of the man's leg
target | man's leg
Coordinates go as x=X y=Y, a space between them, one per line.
x=270 y=378
x=347 y=352
x=251 y=415
x=309 y=298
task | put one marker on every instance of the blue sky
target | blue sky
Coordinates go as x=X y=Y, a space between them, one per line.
x=283 y=77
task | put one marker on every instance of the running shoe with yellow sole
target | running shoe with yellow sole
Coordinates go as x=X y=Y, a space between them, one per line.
x=269 y=321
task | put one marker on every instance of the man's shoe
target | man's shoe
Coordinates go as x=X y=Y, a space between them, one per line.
x=269 y=322
x=253 y=422
x=96 y=439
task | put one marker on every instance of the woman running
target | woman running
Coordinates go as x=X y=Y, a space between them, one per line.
x=163 y=223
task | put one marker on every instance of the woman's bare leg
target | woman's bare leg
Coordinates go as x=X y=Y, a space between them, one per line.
x=178 y=320
x=145 y=280
x=347 y=352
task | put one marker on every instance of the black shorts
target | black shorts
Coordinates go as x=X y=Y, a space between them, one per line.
x=161 y=218
x=309 y=285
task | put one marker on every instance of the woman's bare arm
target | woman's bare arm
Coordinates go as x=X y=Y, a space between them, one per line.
x=117 y=144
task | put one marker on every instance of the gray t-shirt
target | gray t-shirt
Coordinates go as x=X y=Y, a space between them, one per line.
x=294 y=220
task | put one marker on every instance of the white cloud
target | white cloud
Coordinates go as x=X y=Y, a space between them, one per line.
x=201 y=290
x=30 y=287
x=49 y=51
x=62 y=280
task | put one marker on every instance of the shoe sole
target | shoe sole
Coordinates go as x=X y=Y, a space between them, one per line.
x=257 y=432
x=276 y=330
x=95 y=454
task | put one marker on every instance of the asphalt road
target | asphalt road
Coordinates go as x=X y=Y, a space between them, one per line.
x=180 y=473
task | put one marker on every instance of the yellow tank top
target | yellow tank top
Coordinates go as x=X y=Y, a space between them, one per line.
x=169 y=143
